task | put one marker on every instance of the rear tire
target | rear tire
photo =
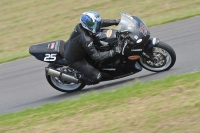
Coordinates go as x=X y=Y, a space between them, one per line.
x=165 y=55
x=60 y=86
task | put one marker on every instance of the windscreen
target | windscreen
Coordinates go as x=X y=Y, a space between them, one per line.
x=135 y=26
x=127 y=23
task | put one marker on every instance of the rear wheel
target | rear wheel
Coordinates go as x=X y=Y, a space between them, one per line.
x=63 y=86
x=162 y=58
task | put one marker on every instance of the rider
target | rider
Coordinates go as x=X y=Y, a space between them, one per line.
x=80 y=43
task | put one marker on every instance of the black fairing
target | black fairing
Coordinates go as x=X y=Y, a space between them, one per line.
x=116 y=67
x=140 y=32
x=50 y=52
x=152 y=42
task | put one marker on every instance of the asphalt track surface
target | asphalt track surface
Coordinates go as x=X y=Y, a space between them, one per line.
x=23 y=84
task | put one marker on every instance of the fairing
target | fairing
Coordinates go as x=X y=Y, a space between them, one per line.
x=135 y=26
x=48 y=52
x=137 y=31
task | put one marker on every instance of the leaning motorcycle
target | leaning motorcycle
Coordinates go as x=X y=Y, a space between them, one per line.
x=138 y=51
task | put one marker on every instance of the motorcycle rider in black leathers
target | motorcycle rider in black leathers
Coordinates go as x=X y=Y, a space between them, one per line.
x=80 y=43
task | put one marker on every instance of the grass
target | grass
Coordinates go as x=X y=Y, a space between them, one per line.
x=170 y=105
x=27 y=22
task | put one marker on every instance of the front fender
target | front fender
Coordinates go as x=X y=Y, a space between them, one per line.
x=152 y=42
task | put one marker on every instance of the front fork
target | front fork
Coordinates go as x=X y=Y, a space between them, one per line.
x=152 y=42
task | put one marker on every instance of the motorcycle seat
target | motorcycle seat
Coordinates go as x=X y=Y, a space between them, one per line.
x=61 y=48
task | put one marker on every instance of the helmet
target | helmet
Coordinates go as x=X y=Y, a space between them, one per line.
x=91 y=21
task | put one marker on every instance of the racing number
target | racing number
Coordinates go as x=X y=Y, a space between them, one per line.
x=50 y=57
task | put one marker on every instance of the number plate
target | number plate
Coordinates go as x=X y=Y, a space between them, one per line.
x=50 y=57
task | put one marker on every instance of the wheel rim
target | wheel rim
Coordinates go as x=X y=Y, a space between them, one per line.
x=162 y=60
x=64 y=86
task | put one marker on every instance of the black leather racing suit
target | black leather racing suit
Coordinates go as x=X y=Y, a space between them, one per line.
x=79 y=44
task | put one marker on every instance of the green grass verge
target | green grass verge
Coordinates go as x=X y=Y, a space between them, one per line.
x=27 y=22
x=168 y=105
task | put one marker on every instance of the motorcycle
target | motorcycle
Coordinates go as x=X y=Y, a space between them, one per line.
x=138 y=51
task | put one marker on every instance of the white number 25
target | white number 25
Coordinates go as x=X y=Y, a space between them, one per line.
x=50 y=57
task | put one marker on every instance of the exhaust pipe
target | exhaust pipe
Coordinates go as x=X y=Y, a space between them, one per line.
x=63 y=76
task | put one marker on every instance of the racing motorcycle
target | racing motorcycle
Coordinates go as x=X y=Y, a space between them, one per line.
x=138 y=51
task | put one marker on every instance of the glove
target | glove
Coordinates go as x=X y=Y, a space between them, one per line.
x=117 y=21
x=116 y=50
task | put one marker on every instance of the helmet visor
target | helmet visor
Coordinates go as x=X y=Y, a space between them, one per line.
x=97 y=26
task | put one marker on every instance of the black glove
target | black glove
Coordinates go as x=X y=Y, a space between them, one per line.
x=117 y=21
x=116 y=50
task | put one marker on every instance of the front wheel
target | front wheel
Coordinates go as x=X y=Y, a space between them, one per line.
x=161 y=58
x=63 y=86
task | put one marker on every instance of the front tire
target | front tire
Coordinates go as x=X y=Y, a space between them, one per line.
x=60 y=85
x=164 y=55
